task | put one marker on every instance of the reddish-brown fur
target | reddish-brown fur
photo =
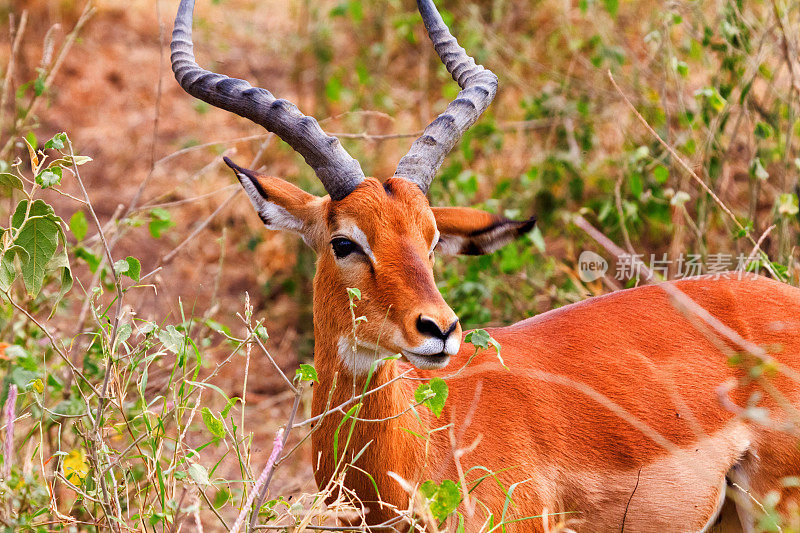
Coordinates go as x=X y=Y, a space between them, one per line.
x=548 y=421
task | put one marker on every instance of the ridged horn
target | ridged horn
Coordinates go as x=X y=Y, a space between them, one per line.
x=335 y=168
x=478 y=87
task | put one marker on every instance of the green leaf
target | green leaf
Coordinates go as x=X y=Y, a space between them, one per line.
x=209 y=386
x=636 y=184
x=338 y=11
x=130 y=267
x=38 y=236
x=124 y=333
x=198 y=473
x=661 y=174
x=261 y=331
x=712 y=96
x=353 y=411
x=57 y=142
x=763 y=130
x=213 y=424
x=160 y=221
x=32 y=142
x=79 y=160
x=478 y=338
x=134 y=268
x=229 y=406
x=220 y=328
x=353 y=293
x=680 y=67
x=306 y=373
x=443 y=499
x=172 y=338
x=38 y=85
x=49 y=177
x=787 y=204
x=78 y=225
x=9 y=182
x=612 y=6
x=433 y=395
x=747 y=226
x=758 y=171
x=8 y=272
x=92 y=260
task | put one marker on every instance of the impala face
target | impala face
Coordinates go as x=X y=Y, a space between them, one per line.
x=381 y=238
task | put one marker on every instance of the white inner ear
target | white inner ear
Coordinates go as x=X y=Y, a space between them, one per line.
x=274 y=216
x=450 y=244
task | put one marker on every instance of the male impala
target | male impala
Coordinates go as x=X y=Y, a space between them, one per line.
x=618 y=413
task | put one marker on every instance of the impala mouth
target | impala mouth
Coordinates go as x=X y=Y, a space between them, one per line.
x=427 y=361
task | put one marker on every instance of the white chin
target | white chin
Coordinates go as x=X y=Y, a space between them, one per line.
x=427 y=362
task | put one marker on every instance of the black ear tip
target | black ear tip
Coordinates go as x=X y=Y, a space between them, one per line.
x=230 y=163
x=239 y=170
x=527 y=225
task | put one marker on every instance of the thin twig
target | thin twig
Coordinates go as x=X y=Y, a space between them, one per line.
x=621 y=214
x=283 y=375
x=351 y=400
x=171 y=255
x=196 y=147
x=167 y=258
x=262 y=494
x=17 y=37
x=111 y=343
x=118 y=286
x=96 y=277
x=674 y=154
x=188 y=200
x=752 y=498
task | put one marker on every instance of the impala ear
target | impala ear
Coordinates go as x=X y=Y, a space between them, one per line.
x=467 y=231
x=281 y=205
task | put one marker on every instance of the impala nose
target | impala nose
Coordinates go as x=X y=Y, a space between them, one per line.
x=428 y=326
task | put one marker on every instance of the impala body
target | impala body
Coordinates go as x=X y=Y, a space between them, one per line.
x=621 y=413
x=548 y=422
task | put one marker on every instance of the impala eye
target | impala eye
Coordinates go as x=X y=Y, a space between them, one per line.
x=343 y=247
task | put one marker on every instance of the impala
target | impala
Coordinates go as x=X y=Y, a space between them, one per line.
x=621 y=412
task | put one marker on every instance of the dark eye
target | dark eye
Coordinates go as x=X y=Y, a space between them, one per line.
x=343 y=247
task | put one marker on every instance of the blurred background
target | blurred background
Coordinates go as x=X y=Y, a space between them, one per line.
x=718 y=81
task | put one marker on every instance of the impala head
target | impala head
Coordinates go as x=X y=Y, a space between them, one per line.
x=379 y=237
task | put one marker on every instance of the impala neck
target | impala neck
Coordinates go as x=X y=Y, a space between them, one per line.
x=386 y=445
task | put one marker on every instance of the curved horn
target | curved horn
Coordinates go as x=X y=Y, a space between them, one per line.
x=478 y=85
x=336 y=169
